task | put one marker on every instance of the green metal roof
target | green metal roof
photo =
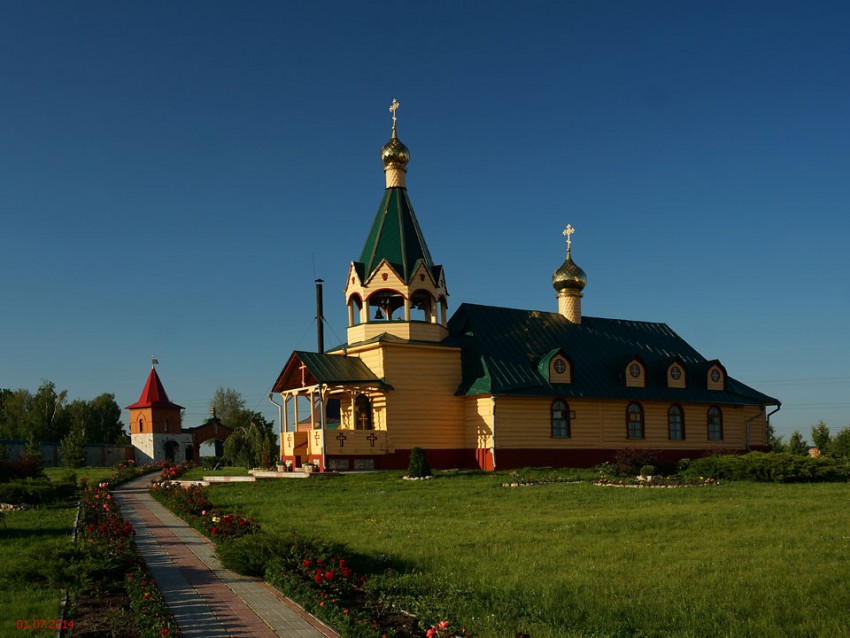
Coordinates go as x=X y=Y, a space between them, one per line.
x=395 y=236
x=503 y=349
x=328 y=369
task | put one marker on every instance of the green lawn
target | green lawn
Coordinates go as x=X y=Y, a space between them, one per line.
x=93 y=474
x=27 y=590
x=197 y=473
x=30 y=587
x=740 y=559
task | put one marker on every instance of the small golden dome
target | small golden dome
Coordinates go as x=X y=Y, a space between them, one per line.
x=394 y=154
x=569 y=276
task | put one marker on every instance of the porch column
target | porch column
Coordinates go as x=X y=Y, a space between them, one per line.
x=407 y=308
x=285 y=398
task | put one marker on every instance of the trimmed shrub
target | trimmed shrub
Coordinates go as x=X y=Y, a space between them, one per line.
x=36 y=491
x=418 y=466
x=775 y=467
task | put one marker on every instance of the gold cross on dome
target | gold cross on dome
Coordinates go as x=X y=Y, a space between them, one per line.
x=393 y=109
x=568 y=231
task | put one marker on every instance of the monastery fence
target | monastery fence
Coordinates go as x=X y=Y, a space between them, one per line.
x=97 y=454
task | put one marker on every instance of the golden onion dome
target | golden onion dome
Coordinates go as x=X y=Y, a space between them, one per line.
x=569 y=276
x=394 y=154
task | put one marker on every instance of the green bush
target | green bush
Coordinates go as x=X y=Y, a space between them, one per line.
x=629 y=461
x=210 y=462
x=418 y=466
x=36 y=491
x=775 y=467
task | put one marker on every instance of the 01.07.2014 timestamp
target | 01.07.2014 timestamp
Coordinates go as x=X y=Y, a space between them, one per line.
x=25 y=624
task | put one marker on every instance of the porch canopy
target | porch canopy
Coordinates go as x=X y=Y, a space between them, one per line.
x=318 y=377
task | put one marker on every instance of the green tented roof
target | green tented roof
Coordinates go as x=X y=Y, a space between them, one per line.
x=503 y=349
x=395 y=236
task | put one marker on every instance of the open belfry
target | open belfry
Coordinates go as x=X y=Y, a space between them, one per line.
x=495 y=387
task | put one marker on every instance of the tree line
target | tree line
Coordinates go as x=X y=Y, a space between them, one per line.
x=837 y=446
x=48 y=415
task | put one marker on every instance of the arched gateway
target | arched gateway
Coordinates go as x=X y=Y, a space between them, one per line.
x=156 y=429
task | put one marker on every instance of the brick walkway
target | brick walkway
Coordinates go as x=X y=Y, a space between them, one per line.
x=206 y=599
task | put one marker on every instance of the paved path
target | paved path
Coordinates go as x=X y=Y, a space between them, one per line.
x=207 y=600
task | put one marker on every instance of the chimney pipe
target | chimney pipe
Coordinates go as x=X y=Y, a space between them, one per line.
x=320 y=317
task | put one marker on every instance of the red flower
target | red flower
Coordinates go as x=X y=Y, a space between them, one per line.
x=318 y=579
x=306 y=563
x=329 y=575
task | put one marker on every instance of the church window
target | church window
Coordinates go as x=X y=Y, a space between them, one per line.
x=675 y=423
x=560 y=369
x=715 y=375
x=141 y=424
x=635 y=374
x=362 y=413
x=715 y=424
x=166 y=425
x=560 y=418
x=634 y=421
x=676 y=373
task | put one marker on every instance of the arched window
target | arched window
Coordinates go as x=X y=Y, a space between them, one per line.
x=675 y=423
x=634 y=421
x=715 y=424
x=362 y=413
x=560 y=419
x=141 y=424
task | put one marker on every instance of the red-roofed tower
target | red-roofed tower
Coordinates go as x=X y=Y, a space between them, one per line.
x=155 y=423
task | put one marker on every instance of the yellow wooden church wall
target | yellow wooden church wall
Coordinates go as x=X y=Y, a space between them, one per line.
x=523 y=422
x=422 y=408
x=478 y=417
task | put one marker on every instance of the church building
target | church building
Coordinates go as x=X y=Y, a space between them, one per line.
x=495 y=387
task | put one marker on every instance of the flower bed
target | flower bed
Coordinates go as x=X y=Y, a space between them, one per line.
x=110 y=554
x=173 y=472
x=656 y=481
x=317 y=577
x=193 y=506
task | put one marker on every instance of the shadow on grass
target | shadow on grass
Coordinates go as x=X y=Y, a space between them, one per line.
x=11 y=532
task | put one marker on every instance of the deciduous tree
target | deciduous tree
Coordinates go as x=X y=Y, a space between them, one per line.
x=821 y=437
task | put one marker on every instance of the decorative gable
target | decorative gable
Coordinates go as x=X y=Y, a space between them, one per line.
x=556 y=367
x=635 y=374
x=676 y=375
x=716 y=376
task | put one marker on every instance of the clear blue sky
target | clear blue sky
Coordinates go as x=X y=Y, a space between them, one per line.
x=174 y=175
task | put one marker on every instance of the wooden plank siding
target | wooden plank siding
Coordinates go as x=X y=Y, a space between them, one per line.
x=422 y=409
x=524 y=422
x=478 y=417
